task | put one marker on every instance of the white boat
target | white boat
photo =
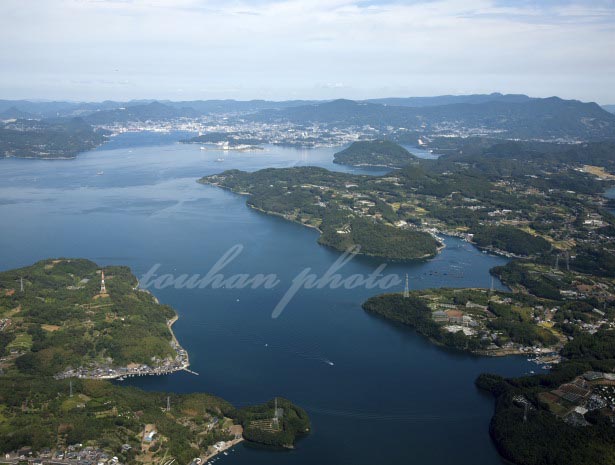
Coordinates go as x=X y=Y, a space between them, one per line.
x=219 y=160
x=100 y=173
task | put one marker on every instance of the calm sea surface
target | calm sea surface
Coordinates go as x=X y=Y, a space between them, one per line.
x=377 y=393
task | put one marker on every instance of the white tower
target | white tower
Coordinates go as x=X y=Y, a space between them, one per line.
x=406 y=288
x=103 y=289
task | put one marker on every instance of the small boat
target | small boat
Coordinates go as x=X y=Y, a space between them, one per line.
x=202 y=148
x=219 y=160
x=100 y=173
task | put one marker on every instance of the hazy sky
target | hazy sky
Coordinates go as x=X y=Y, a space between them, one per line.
x=188 y=49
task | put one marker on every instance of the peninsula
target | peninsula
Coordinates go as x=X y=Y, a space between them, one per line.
x=335 y=204
x=68 y=325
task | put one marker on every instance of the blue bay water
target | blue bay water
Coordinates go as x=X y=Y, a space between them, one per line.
x=376 y=392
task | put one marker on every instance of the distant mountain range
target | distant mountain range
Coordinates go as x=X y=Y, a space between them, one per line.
x=154 y=111
x=450 y=99
x=36 y=109
x=497 y=115
x=531 y=118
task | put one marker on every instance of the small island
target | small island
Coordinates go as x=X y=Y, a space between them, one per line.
x=227 y=141
x=69 y=325
x=381 y=153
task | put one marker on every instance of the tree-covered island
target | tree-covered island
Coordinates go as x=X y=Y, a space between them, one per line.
x=63 y=330
x=374 y=153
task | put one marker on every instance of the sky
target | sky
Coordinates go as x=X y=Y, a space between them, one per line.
x=305 y=49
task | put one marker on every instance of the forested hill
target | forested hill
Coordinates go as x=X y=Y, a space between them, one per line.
x=58 y=138
x=374 y=153
x=518 y=156
x=450 y=99
x=61 y=319
x=154 y=111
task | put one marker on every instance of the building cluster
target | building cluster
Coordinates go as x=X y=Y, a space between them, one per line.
x=313 y=135
x=158 y=367
x=593 y=391
x=74 y=454
x=4 y=323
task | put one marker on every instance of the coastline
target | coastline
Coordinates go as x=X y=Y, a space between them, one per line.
x=222 y=449
x=441 y=245
x=119 y=373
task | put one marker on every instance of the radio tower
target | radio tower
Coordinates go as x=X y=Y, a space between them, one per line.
x=406 y=289
x=103 y=289
x=70 y=388
x=276 y=420
x=168 y=404
x=21 y=283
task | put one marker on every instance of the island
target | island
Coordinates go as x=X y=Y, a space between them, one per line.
x=66 y=327
x=374 y=153
x=227 y=140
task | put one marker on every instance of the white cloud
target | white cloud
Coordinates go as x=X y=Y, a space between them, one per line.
x=288 y=48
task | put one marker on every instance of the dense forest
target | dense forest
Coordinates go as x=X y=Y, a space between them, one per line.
x=293 y=423
x=374 y=153
x=510 y=239
x=379 y=240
